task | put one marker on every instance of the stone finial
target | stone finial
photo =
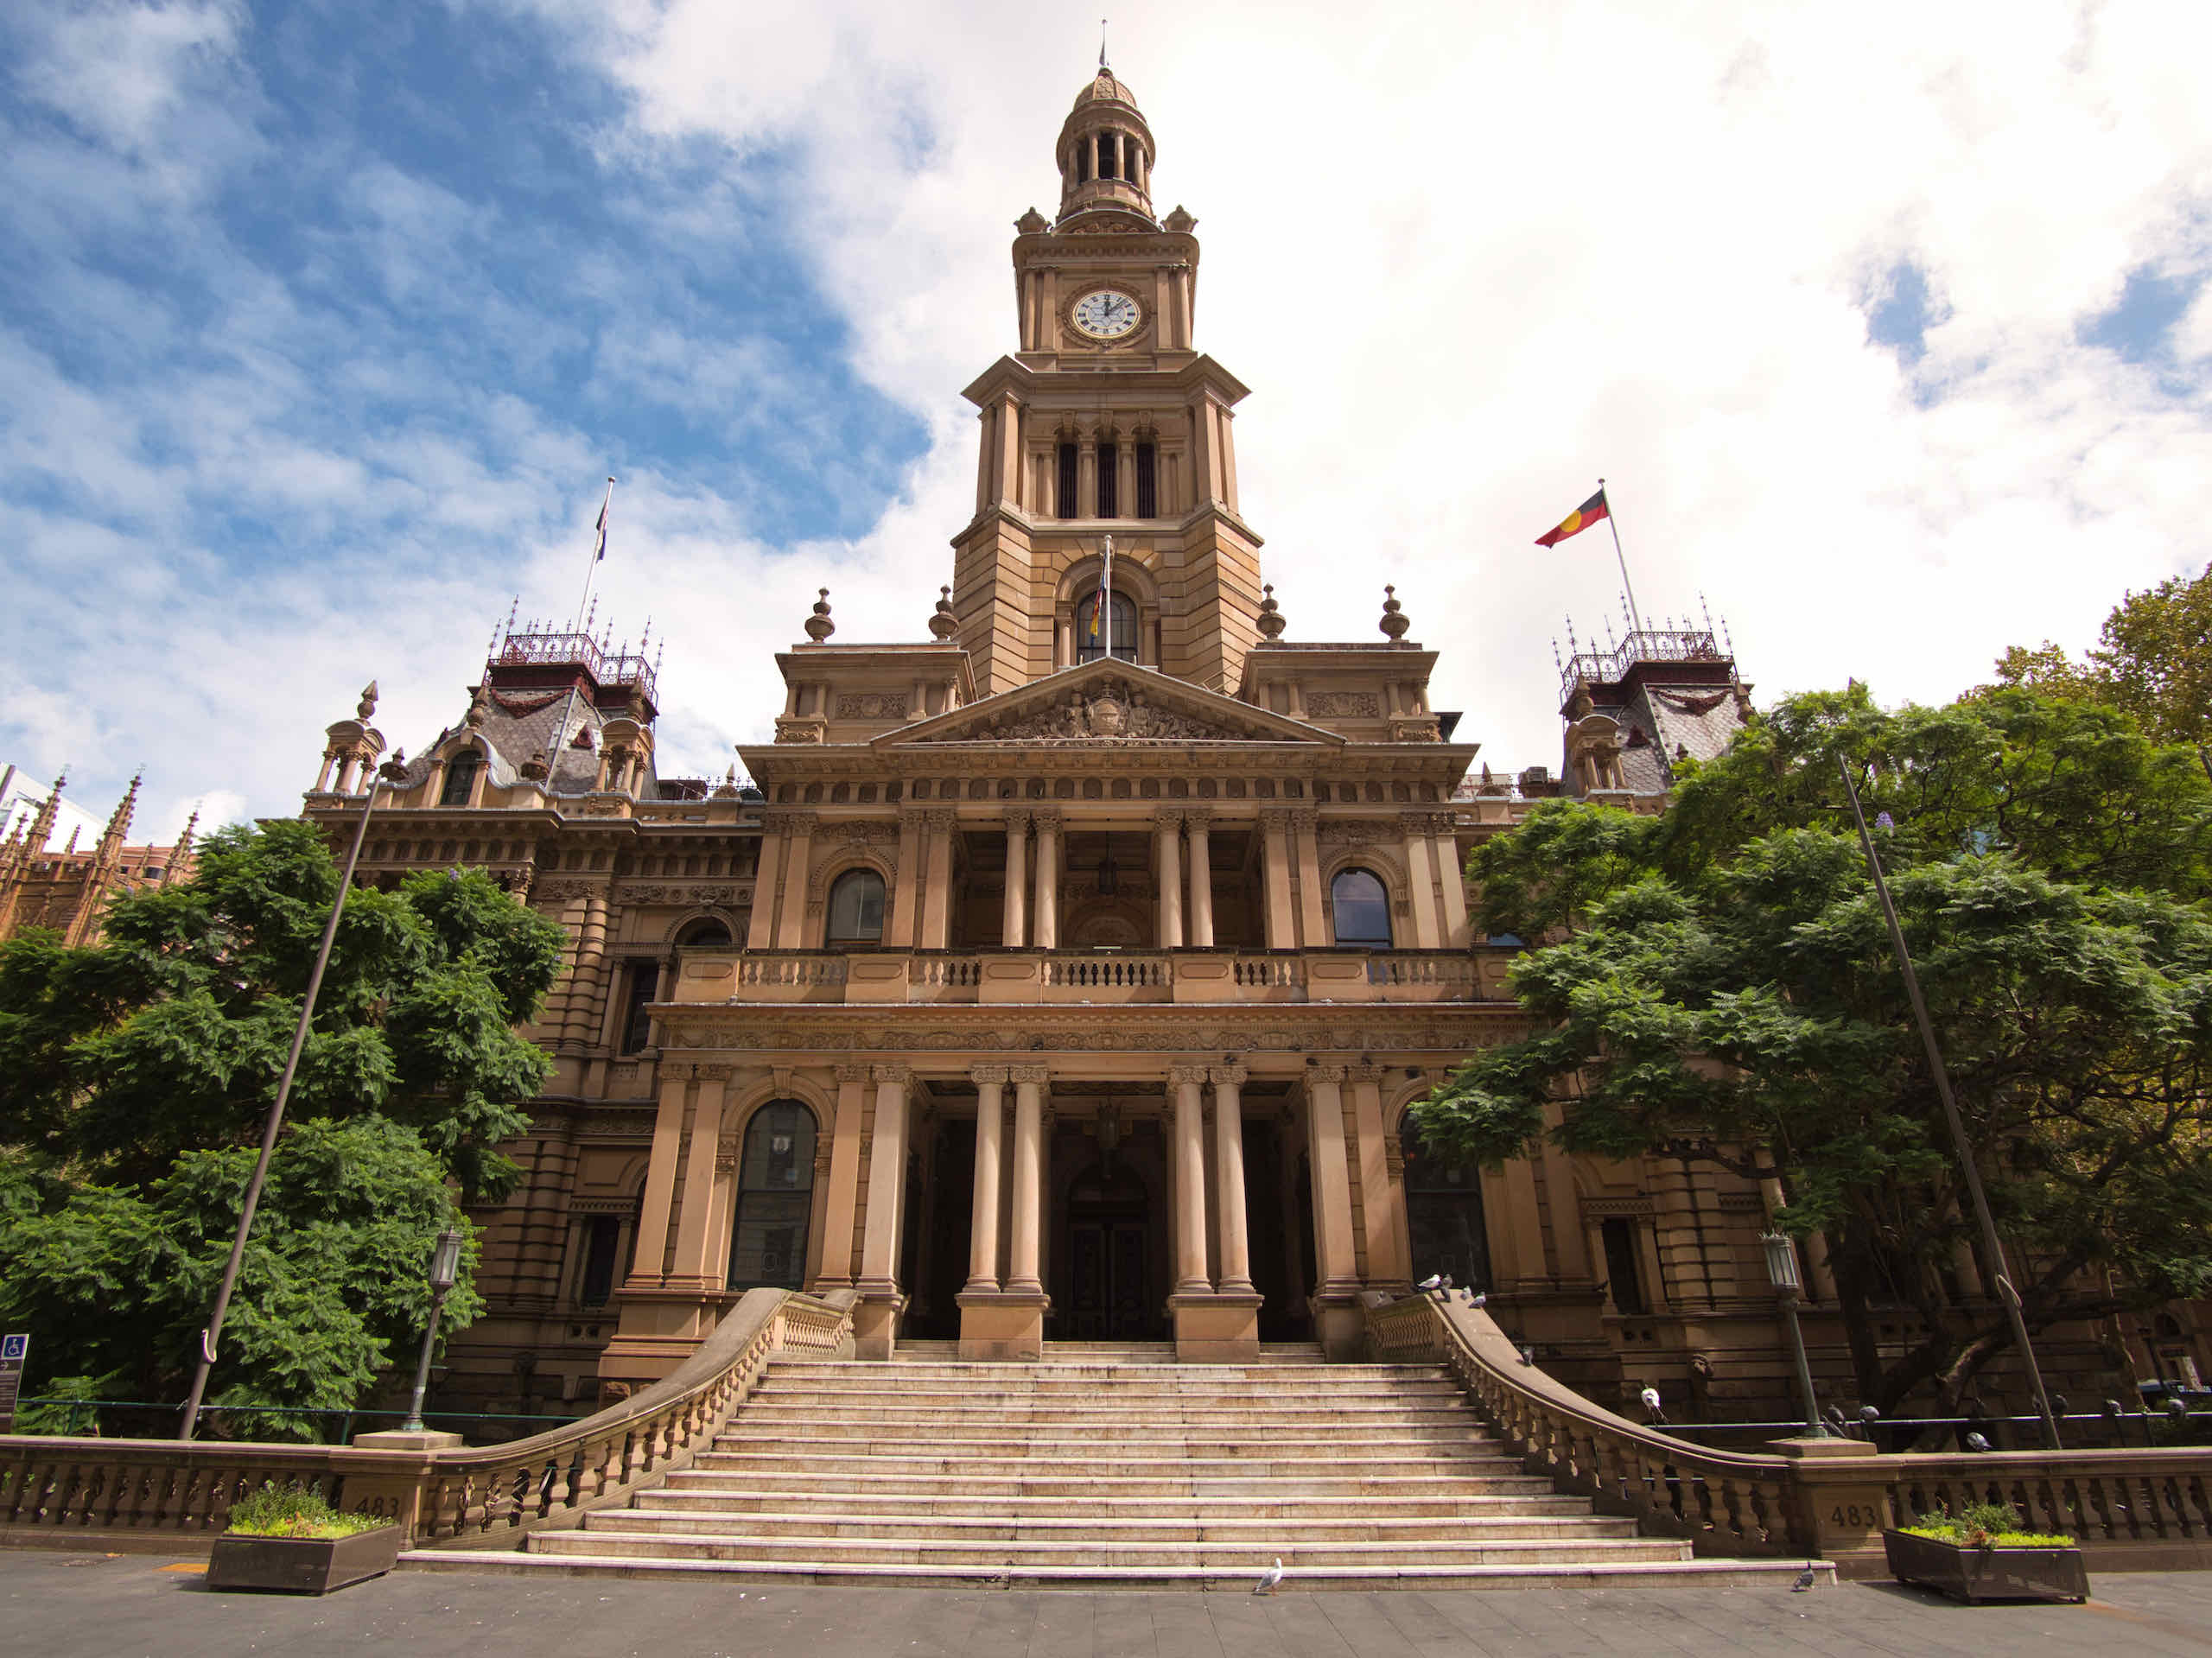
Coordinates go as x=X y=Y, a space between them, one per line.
x=536 y=768
x=1395 y=621
x=944 y=625
x=394 y=770
x=818 y=625
x=1269 y=620
x=1179 y=221
x=1032 y=222
x=727 y=789
x=478 y=711
x=367 y=709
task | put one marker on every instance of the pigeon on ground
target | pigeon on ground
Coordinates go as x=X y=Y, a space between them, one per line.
x=1804 y=1580
x=1270 y=1579
x=1434 y=1280
x=1478 y=1298
x=1976 y=1442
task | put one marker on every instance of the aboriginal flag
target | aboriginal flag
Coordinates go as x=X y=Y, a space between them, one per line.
x=1576 y=521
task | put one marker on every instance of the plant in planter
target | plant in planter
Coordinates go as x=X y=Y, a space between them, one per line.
x=1985 y=1552
x=289 y=1538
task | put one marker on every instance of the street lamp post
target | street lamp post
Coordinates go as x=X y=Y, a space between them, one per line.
x=445 y=1268
x=1781 y=1269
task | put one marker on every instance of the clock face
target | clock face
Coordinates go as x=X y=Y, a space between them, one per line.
x=1105 y=315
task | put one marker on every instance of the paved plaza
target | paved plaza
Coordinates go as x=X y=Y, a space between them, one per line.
x=54 y=1602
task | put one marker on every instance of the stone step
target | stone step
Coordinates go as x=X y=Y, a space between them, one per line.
x=1711 y=1574
x=954 y=1526
x=1327 y=1457
x=728 y=1498
x=980 y=1389
x=1222 y=1427
x=1273 y=1375
x=1025 y=1480
x=1254 y=1556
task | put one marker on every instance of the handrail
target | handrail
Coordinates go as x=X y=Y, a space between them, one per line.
x=1724 y=1502
x=472 y=1497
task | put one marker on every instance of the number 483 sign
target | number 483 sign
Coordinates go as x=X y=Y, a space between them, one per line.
x=13 y=1347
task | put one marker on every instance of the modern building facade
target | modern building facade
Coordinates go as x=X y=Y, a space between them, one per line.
x=1063 y=973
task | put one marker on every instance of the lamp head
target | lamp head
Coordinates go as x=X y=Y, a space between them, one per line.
x=1781 y=1261
x=445 y=1260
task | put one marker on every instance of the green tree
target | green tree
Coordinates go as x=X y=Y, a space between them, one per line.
x=2153 y=662
x=135 y=1078
x=1719 y=987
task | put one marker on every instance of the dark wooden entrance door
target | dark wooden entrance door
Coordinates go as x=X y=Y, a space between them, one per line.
x=1106 y=1257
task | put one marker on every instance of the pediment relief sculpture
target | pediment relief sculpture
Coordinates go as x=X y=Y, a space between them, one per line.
x=1110 y=711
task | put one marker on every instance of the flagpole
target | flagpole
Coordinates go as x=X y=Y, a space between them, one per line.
x=1106 y=582
x=598 y=553
x=1612 y=522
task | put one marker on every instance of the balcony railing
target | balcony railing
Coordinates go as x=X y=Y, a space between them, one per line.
x=1093 y=975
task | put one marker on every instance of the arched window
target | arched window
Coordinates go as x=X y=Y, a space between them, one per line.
x=857 y=908
x=1362 y=906
x=775 y=1198
x=1445 y=1231
x=1091 y=628
x=707 y=932
x=461 y=777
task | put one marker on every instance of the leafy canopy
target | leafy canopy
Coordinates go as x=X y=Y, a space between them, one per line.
x=2154 y=662
x=136 y=1078
x=1720 y=987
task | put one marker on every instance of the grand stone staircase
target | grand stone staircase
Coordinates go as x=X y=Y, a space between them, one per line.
x=1111 y=1466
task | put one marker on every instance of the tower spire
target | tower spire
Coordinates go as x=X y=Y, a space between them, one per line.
x=1102 y=43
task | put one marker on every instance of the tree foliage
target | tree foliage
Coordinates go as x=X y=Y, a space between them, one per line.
x=136 y=1078
x=1719 y=988
x=2153 y=662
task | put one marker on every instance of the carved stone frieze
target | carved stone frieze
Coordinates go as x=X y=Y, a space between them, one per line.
x=1356 y=831
x=1343 y=705
x=561 y=889
x=1111 y=711
x=872 y=705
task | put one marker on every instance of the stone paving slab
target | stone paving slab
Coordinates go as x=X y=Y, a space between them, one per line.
x=63 y=1604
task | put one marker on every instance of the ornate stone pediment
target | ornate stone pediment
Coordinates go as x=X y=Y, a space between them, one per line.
x=1109 y=704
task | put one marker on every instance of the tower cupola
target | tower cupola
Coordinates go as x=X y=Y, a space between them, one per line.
x=1105 y=150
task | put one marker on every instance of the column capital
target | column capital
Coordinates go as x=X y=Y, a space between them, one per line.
x=1170 y=820
x=1045 y=818
x=1197 y=817
x=1325 y=1073
x=1427 y=822
x=1187 y=1076
x=677 y=1070
x=714 y=1073
x=1365 y=1073
x=852 y=1073
x=1227 y=1076
x=794 y=823
x=1037 y=1075
x=902 y=1073
x=940 y=817
x=981 y=1074
x=1017 y=818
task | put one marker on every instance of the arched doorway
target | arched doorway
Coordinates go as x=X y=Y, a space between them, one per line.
x=1445 y=1225
x=775 y=1198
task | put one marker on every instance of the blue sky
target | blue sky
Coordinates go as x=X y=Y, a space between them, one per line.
x=323 y=325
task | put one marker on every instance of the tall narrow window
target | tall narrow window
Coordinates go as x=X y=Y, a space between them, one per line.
x=1091 y=628
x=857 y=908
x=1622 y=1274
x=1147 y=480
x=461 y=777
x=1445 y=1227
x=1083 y=162
x=1066 y=503
x=1362 y=908
x=637 y=1023
x=603 y=1233
x=1109 y=480
x=1105 y=155
x=775 y=1196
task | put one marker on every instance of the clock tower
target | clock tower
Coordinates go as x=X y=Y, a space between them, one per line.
x=1107 y=421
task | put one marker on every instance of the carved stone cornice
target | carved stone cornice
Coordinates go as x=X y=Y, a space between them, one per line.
x=1187 y=1076
x=1036 y=1076
x=981 y=1074
x=1228 y=1075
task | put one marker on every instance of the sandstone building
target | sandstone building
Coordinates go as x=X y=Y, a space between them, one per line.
x=68 y=890
x=1063 y=974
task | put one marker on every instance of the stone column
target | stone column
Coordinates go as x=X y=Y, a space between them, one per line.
x=1086 y=478
x=1125 y=478
x=844 y=1178
x=1324 y=1128
x=902 y=916
x=983 y=1229
x=1306 y=826
x=1168 y=875
x=650 y=1259
x=1201 y=882
x=1045 y=915
x=886 y=1174
x=1189 y=1180
x=760 y=929
x=1450 y=878
x=1015 y=933
x=1022 y=1252
x=1421 y=878
x=791 y=915
x=1282 y=926
x=1234 y=1252
x=1380 y=1208
x=936 y=892
x=693 y=1243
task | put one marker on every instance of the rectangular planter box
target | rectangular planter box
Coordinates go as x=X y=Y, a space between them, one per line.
x=301 y=1566
x=1972 y=1574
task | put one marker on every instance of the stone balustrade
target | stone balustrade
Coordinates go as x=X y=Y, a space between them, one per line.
x=1092 y=975
x=2147 y=1509
x=150 y=1493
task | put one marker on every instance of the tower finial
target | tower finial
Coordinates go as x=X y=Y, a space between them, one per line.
x=1102 y=42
